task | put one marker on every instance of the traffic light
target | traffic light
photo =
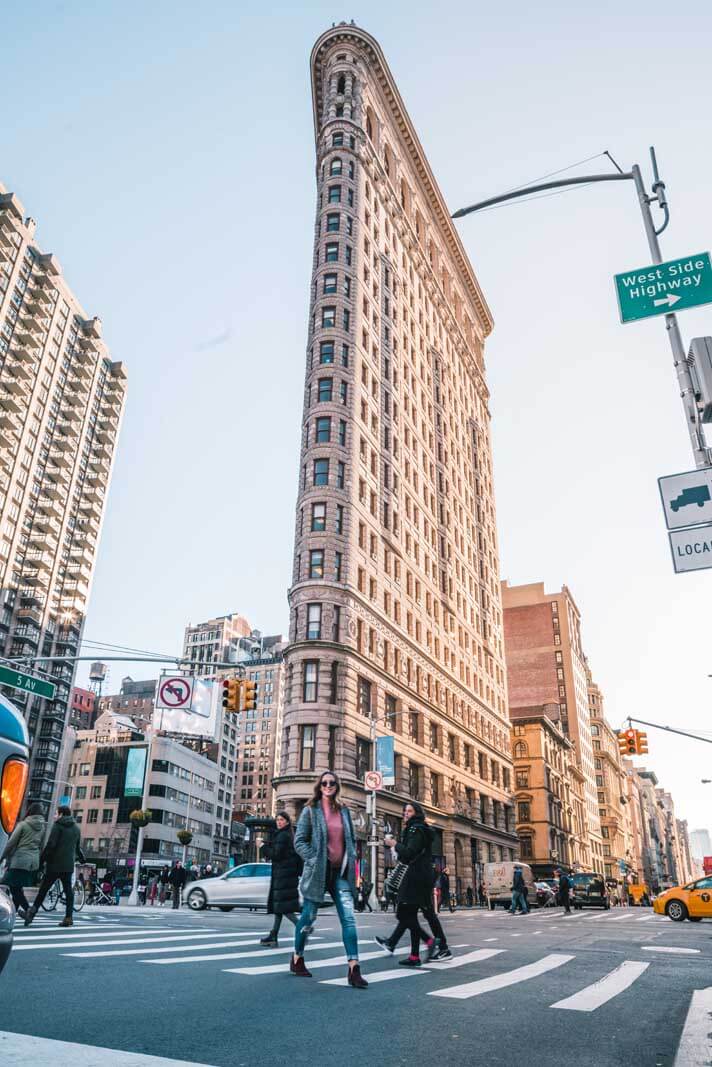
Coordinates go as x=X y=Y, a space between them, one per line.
x=628 y=742
x=249 y=695
x=642 y=746
x=623 y=744
x=231 y=694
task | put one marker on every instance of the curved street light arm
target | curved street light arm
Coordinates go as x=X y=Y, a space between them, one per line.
x=561 y=183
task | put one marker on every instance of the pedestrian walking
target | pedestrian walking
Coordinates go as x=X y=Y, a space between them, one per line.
x=163 y=885
x=519 y=900
x=416 y=890
x=22 y=855
x=469 y=896
x=326 y=842
x=366 y=890
x=59 y=855
x=153 y=890
x=564 y=891
x=177 y=879
x=283 y=896
x=445 y=897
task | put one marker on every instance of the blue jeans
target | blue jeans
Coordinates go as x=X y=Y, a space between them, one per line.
x=340 y=893
x=518 y=900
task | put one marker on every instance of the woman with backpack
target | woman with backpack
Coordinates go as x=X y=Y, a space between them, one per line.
x=283 y=896
x=326 y=841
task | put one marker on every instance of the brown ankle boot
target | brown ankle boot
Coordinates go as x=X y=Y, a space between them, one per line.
x=298 y=968
x=356 y=979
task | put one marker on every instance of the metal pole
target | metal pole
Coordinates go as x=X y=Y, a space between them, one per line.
x=373 y=899
x=699 y=448
x=133 y=896
x=187 y=817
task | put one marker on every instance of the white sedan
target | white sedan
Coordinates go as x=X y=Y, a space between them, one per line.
x=246 y=886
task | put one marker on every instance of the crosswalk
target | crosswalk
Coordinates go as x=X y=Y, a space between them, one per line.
x=237 y=955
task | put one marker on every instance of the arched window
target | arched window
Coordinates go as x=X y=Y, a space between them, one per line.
x=370 y=123
x=388 y=162
x=341 y=84
x=520 y=750
x=336 y=167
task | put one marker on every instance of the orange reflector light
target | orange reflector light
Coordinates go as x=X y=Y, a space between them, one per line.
x=12 y=790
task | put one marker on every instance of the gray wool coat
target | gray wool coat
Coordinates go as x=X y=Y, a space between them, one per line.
x=23 y=849
x=310 y=842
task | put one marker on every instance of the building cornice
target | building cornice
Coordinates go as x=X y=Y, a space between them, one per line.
x=368 y=45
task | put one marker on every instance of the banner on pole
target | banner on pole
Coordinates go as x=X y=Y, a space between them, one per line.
x=135 y=767
x=386 y=758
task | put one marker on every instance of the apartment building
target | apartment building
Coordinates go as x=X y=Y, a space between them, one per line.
x=395 y=608
x=259 y=731
x=182 y=793
x=61 y=403
x=546 y=665
x=135 y=700
x=549 y=794
x=82 y=708
x=214 y=641
x=610 y=789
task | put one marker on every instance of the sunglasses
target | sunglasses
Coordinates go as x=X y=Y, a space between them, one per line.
x=328 y=783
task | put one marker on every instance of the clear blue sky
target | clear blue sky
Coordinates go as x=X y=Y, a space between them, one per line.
x=166 y=151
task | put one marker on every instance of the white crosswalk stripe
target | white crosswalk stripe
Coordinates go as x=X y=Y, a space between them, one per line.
x=237 y=940
x=241 y=955
x=600 y=992
x=30 y=934
x=34 y=946
x=334 y=961
x=695 y=1046
x=500 y=981
x=404 y=972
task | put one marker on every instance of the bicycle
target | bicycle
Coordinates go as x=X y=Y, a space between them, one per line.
x=55 y=896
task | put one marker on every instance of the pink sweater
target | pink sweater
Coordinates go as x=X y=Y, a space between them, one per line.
x=335 y=834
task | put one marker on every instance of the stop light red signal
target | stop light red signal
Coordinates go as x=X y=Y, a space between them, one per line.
x=627 y=742
x=231 y=694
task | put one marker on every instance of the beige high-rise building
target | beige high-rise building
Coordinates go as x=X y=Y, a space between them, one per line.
x=61 y=402
x=546 y=665
x=395 y=601
x=610 y=789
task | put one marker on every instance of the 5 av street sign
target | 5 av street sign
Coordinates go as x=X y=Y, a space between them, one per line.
x=664 y=287
x=28 y=682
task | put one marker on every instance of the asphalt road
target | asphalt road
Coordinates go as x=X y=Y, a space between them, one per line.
x=608 y=988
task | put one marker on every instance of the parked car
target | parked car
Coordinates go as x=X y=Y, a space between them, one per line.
x=14 y=761
x=590 y=891
x=246 y=886
x=692 y=901
x=497 y=881
x=545 y=895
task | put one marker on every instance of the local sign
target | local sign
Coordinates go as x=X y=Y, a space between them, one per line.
x=373 y=780
x=28 y=682
x=691 y=549
x=676 y=285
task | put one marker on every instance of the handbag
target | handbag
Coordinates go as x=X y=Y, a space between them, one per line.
x=394 y=880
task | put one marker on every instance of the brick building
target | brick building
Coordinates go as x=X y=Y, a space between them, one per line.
x=395 y=610
x=82 y=708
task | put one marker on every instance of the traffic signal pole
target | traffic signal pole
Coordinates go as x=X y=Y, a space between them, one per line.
x=671 y=730
x=701 y=453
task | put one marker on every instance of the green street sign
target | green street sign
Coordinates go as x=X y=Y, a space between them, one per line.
x=661 y=288
x=28 y=682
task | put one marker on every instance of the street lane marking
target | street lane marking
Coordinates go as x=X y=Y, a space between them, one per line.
x=18 y=1050
x=242 y=955
x=143 y=951
x=645 y=919
x=598 y=993
x=620 y=918
x=672 y=951
x=500 y=981
x=98 y=944
x=69 y=935
x=490 y=939
x=477 y=956
x=695 y=1046
x=333 y=961
x=377 y=976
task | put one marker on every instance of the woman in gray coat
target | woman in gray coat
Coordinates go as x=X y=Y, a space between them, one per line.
x=326 y=842
x=22 y=853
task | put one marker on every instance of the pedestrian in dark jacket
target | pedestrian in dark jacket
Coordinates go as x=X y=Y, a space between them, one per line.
x=59 y=855
x=22 y=853
x=519 y=898
x=326 y=841
x=177 y=879
x=416 y=889
x=564 y=892
x=283 y=896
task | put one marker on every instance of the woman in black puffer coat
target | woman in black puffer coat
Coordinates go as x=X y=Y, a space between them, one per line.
x=416 y=890
x=284 y=884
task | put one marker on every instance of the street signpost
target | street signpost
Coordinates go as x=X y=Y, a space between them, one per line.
x=28 y=682
x=691 y=549
x=687 y=498
x=373 y=780
x=676 y=285
x=174 y=691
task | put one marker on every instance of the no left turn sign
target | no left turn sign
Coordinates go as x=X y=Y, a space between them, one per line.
x=175 y=691
x=373 y=780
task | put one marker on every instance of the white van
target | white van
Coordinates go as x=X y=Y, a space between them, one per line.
x=498 y=884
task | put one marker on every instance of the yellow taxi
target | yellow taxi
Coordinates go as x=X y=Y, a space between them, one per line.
x=692 y=901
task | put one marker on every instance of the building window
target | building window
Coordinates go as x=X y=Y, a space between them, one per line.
x=339 y=519
x=321 y=472
x=340 y=475
x=93 y=815
x=364 y=696
x=525 y=847
x=334 y=686
x=337 y=140
x=363 y=757
x=332 y=747
x=311 y=681
x=335 y=167
x=328 y=316
x=326 y=352
x=81 y=792
x=307 y=747
x=435 y=788
x=332 y=252
x=338 y=562
x=313 y=622
x=318 y=517
x=391 y=711
x=524 y=811
x=413 y=781
x=107 y=815
x=316 y=563
x=326 y=389
x=343 y=392
x=332 y=222
x=342 y=433
x=330 y=283
x=521 y=779
x=520 y=750
x=323 y=429
x=334 y=194
x=344 y=355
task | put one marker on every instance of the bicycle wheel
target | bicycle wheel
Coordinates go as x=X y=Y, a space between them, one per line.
x=51 y=900
x=79 y=896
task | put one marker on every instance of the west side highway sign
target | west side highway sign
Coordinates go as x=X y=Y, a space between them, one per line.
x=661 y=288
